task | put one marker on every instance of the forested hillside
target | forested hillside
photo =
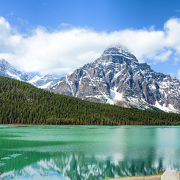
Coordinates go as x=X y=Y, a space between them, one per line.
x=23 y=103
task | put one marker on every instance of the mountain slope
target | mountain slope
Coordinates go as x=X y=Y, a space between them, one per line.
x=23 y=103
x=7 y=70
x=44 y=82
x=118 y=78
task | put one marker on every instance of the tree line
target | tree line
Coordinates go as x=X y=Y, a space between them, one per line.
x=22 y=103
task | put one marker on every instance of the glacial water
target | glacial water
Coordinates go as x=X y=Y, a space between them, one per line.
x=86 y=152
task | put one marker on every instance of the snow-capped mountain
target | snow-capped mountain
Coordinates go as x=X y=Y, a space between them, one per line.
x=118 y=78
x=6 y=69
x=43 y=82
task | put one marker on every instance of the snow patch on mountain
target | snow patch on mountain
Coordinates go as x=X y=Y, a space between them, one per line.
x=13 y=75
x=46 y=86
x=165 y=108
x=34 y=79
x=114 y=95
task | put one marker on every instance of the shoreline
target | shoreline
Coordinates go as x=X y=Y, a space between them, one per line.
x=152 y=177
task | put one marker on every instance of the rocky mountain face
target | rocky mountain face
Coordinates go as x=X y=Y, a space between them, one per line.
x=43 y=82
x=118 y=78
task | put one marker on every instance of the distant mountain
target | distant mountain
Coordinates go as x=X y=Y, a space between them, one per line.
x=7 y=70
x=43 y=82
x=118 y=78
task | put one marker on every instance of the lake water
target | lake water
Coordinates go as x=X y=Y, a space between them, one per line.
x=82 y=152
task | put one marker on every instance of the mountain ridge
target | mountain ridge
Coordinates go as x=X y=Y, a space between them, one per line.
x=118 y=78
x=43 y=82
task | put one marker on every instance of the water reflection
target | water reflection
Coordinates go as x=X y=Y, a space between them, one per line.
x=76 y=166
x=81 y=166
x=85 y=153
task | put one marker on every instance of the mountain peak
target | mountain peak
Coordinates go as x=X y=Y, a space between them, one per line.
x=5 y=66
x=119 y=51
x=4 y=62
x=117 y=78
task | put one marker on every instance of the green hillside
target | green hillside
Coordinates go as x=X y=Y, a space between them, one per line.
x=23 y=103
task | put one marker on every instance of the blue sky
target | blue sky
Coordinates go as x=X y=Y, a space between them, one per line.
x=31 y=20
x=100 y=15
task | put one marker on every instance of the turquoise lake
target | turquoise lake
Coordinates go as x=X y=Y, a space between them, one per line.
x=86 y=152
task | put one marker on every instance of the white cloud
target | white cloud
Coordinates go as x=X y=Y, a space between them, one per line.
x=64 y=50
x=163 y=56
